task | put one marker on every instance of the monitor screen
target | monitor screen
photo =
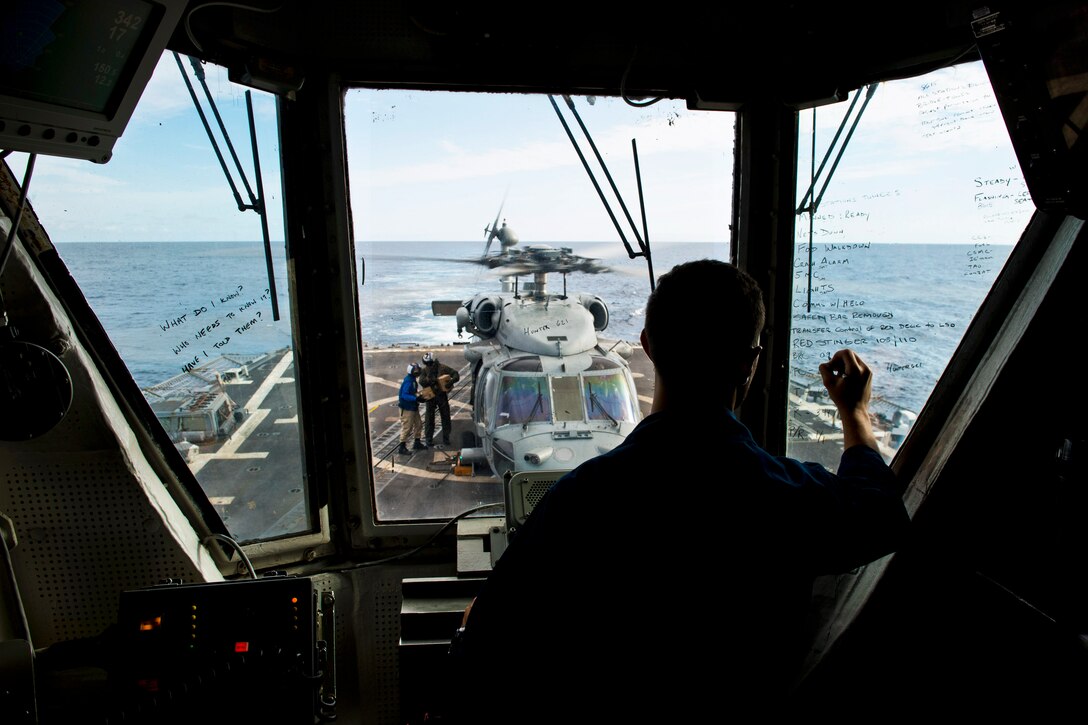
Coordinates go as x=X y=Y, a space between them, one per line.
x=71 y=71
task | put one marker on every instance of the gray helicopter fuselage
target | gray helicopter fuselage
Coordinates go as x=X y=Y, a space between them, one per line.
x=547 y=394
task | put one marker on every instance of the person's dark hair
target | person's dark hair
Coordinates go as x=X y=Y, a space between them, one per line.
x=699 y=313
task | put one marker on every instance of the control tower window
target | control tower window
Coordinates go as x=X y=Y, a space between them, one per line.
x=918 y=219
x=442 y=185
x=178 y=278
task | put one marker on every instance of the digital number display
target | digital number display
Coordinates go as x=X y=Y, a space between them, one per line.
x=73 y=54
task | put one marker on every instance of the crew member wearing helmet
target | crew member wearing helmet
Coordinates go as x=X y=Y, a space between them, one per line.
x=436 y=381
x=410 y=424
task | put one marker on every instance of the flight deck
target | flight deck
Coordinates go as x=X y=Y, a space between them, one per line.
x=253 y=472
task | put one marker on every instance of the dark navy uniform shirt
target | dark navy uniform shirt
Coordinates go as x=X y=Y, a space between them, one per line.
x=654 y=583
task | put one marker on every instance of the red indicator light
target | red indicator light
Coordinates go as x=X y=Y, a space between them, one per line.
x=241 y=646
x=294 y=600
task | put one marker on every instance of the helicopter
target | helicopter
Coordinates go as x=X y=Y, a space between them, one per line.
x=547 y=391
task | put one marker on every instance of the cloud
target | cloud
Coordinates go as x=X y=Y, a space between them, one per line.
x=58 y=176
x=166 y=95
x=475 y=156
x=952 y=108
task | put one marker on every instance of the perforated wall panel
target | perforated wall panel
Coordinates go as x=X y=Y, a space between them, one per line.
x=85 y=533
x=380 y=665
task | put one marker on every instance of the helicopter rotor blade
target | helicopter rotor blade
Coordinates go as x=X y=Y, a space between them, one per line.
x=513 y=270
x=492 y=231
x=632 y=272
x=421 y=258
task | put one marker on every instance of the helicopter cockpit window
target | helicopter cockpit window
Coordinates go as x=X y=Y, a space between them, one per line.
x=897 y=256
x=608 y=397
x=568 y=399
x=603 y=363
x=524 y=399
x=524 y=365
x=485 y=394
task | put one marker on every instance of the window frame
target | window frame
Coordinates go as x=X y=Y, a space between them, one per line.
x=764 y=181
x=359 y=511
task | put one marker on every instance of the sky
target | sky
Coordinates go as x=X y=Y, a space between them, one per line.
x=930 y=162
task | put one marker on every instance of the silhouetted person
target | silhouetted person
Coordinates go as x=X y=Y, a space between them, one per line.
x=653 y=585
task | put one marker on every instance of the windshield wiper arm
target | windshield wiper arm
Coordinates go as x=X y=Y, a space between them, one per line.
x=600 y=406
x=538 y=404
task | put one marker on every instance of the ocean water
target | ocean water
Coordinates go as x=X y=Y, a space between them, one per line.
x=903 y=307
x=170 y=305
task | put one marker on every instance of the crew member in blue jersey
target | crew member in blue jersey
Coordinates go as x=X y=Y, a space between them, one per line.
x=650 y=585
x=411 y=425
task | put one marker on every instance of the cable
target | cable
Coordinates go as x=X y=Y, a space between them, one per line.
x=623 y=86
x=227 y=540
x=426 y=543
x=240 y=6
x=18 y=212
x=12 y=585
